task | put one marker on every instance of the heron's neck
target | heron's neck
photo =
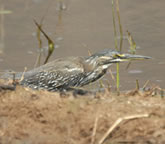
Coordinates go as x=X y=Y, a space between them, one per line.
x=92 y=60
x=95 y=63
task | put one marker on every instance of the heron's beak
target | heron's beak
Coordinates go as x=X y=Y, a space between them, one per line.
x=128 y=57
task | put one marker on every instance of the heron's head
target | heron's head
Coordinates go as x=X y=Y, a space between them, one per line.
x=107 y=57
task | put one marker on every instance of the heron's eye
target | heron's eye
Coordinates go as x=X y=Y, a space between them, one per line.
x=118 y=55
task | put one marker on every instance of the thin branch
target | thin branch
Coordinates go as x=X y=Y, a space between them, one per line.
x=114 y=25
x=94 y=130
x=50 y=42
x=120 y=25
x=146 y=83
x=22 y=77
x=117 y=122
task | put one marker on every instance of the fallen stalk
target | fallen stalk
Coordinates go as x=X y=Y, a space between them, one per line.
x=117 y=122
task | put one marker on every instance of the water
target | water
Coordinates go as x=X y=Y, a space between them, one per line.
x=84 y=25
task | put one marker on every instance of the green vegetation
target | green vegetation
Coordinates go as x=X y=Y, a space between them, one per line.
x=50 y=42
x=119 y=48
x=115 y=36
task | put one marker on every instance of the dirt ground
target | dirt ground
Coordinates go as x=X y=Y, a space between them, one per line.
x=41 y=117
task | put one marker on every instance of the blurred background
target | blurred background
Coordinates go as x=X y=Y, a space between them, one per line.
x=77 y=26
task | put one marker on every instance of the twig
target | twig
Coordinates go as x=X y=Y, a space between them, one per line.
x=89 y=53
x=132 y=46
x=120 y=25
x=22 y=77
x=37 y=63
x=117 y=122
x=112 y=76
x=117 y=79
x=137 y=85
x=40 y=46
x=50 y=42
x=114 y=25
x=116 y=46
x=94 y=130
x=146 y=83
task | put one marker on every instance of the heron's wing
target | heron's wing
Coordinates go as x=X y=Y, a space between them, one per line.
x=61 y=72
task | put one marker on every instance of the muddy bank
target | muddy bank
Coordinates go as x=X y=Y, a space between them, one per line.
x=42 y=117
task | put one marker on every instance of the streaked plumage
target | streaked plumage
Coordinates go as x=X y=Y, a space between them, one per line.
x=62 y=73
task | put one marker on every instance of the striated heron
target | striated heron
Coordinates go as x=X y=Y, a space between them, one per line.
x=65 y=73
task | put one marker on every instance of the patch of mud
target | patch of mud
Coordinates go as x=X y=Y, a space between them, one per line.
x=42 y=117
